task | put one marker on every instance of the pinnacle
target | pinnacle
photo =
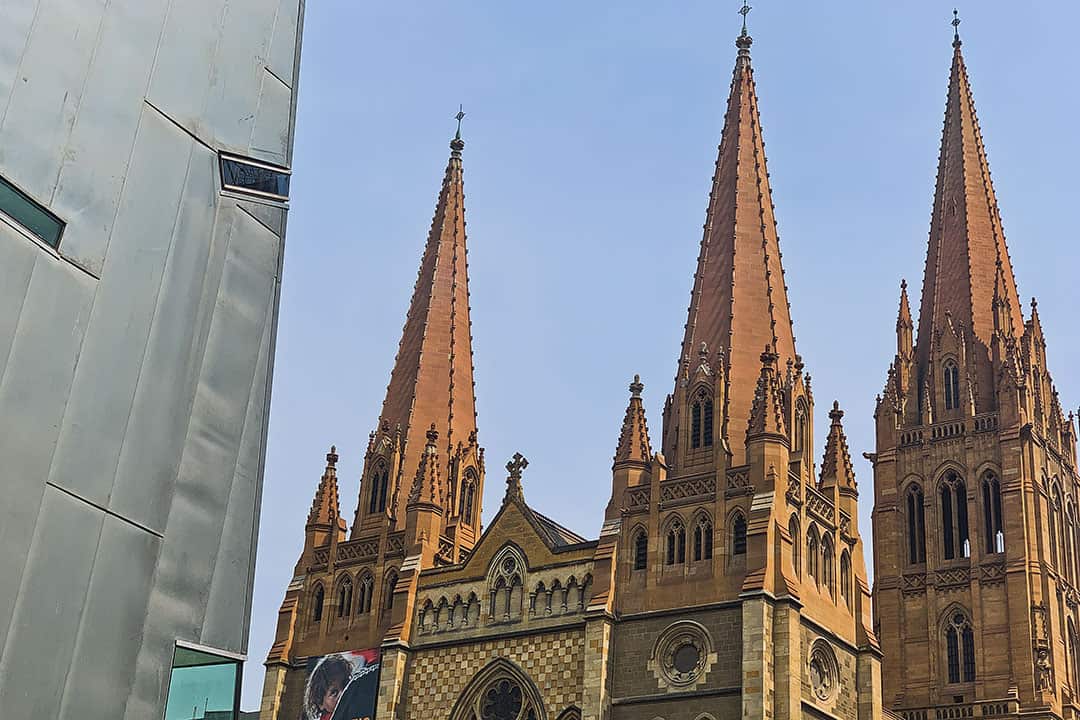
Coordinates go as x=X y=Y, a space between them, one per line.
x=836 y=466
x=325 y=507
x=426 y=487
x=634 y=447
x=766 y=414
x=903 y=318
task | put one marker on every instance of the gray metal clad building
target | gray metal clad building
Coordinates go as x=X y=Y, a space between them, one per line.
x=144 y=155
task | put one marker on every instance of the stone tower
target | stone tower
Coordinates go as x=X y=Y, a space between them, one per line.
x=741 y=585
x=422 y=481
x=975 y=473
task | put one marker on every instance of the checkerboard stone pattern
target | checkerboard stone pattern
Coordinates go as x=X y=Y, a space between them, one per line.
x=554 y=661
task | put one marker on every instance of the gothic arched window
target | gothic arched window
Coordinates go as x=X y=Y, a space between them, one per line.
x=801 y=425
x=954 y=518
x=317 y=599
x=738 y=534
x=388 y=590
x=364 y=590
x=992 y=523
x=960 y=648
x=813 y=545
x=501 y=691
x=952 y=385
x=468 y=498
x=380 y=481
x=828 y=561
x=676 y=543
x=701 y=420
x=703 y=538
x=796 y=544
x=1053 y=507
x=916 y=522
x=344 y=597
x=845 y=578
x=641 y=550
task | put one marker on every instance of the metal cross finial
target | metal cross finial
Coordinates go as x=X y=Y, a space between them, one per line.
x=458 y=117
x=956 y=25
x=744 y=11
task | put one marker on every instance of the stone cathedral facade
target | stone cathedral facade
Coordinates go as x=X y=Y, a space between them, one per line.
x=728 y=579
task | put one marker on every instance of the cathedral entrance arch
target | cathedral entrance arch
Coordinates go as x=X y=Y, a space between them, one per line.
x=501 y=691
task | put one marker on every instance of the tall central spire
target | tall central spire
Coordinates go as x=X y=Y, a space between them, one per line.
x=431 y=386
x=966 y=237
x=739 y=302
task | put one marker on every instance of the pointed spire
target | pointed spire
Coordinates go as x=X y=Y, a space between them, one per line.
x=427 y=487
x=767 y=413
x=515 y=467
x=325 y=509
x=431 y=384
x=903 y=317
x=634 y=445
x=836 y=467
x=739 y=300
x=966 y=236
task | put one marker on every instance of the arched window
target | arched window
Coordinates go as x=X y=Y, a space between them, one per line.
x=954 y=519
x=641 y=550
x=380 y=481
x=992 y=525
x=845 y=578
x=701 y=420
x=703 y=538
x=952 y=385
x=344 y=597
x=388 y=590
x=1071 y=652
x=916 y=521
x=317 y=599
x=960 y=648
x=1069 y=528
x=813 y=547
x=801 y=425
x=501 y=691
x=828 y=561
x=468 y=497
x=676 y=543
x=1052 y=509
x=738 y=534
x=796 y=544
x=364 y=588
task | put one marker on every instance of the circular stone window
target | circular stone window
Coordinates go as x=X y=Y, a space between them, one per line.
x=824 y=672
x=682 y=655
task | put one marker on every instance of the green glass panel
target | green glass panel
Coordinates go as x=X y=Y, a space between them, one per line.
x=29 y=214
x=202 y=687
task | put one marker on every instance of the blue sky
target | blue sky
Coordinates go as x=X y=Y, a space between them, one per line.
x=591 y=134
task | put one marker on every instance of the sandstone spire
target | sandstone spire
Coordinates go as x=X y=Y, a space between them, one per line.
x=634 y=445
x=325 y=509
x=431 y=385
x=739 y=301
x=966 y=237
x=836 y=468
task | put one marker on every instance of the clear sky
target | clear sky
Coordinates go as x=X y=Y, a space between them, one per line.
x=591 y=134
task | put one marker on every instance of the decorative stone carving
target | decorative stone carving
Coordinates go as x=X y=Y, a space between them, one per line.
x=682 y=656
x=823 y=670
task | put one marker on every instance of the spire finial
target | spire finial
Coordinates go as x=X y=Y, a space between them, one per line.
x=457 y=144
x=517 y=464
x=956 y=28
x=636 y=387
x=744 y=41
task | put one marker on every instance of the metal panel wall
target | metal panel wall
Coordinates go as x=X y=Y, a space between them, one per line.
x=135 y=362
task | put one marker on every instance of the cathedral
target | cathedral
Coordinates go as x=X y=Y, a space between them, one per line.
x=728 y=579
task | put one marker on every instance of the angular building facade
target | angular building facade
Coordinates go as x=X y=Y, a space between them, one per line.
x=728 y=579
x=145 y=148
x=975 y=479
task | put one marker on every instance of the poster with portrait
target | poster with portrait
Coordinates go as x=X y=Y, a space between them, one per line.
x=342 y=686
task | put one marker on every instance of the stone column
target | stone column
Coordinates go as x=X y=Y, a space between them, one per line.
x=390 y=704
x=787 y=661
x=868 y=680
x=273 y=691
x=596 y=695
x=757 y=649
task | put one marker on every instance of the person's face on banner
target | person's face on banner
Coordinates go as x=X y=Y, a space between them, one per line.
x=333 y=694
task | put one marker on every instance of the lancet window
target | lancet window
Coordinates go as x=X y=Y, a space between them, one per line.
x=388 y=590
x=916 y=525
x=828 y=561
x=641 y=550
x=703 y=538
x=796 y=544
x=738 y=534
x=344 y=597
x=365 y=588
x=676 y=543
x=468 y=497
x=954 y=517
x=813 y=547
x=845 y=578
x=380 y=481
x=802 y=425
x=501 y=691
x=701 y=420
x=952 y=385
x=992 y=522
x=1053 y=508
x=960 y=648
x=317 y=599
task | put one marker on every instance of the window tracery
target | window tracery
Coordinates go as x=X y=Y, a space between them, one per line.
x=501 y=691
x=345 y=591
x=960 y=647
x=954 y=517
x=738 y=534
x=952 y=385
x=641 y=550
x=380 y=481
x=992 y=521
x=676 y=543
x=703 y=538
x=317 y=599
x=916 y=522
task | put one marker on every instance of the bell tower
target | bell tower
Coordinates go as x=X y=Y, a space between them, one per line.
x=975 y=478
